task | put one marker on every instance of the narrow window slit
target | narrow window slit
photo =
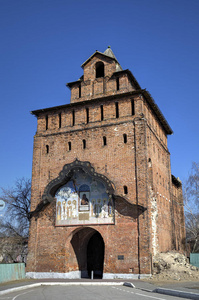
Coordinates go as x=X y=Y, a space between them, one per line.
x=125 y=138
x=102 y=112
x=116 y=110
x=73 y=117
x=46 y=122
x=69 y=146
x=125 y=190
x=132 y=107
x=84 y=144
x=47 y=149
x=117 y=83
x=59 y=120
x=87 y=115
x=80 y=91
x=104 y=140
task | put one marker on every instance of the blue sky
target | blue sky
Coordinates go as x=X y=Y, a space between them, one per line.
x=44 y=43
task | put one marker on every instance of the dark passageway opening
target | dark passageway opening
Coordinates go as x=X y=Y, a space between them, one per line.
x=95 y=256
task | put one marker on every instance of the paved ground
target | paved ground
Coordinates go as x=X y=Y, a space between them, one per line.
x=188 y=290
x=84 y=292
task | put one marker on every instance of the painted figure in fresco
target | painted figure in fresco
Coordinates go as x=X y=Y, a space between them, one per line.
x=59 y=211
x=110 y=212
x=95 y=210
x=99 y=208
x=84 y=200
x=92 y=208
x=105 y=209
x=74 y=209
x=64 y=217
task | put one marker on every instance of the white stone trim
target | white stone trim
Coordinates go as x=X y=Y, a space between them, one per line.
x=77 y=275
x=42 y=275
x=125 y=276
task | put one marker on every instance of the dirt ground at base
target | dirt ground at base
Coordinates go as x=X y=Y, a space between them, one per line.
x=172 y=267
x=163 y=281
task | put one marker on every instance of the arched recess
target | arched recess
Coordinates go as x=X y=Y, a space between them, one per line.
x=89 y=248
x=69 y=173
x=83 y=197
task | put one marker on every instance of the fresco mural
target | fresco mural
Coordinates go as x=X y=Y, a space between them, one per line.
x=83 y=201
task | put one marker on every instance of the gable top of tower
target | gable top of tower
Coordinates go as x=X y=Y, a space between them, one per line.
x=115 y=70
x=107 y=53
x=110 y=83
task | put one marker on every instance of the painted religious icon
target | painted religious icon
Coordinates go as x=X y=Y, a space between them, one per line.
x=84 y=195
x=84 y=199
x=85 y=203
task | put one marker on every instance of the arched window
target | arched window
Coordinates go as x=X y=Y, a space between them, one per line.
x=99 y=69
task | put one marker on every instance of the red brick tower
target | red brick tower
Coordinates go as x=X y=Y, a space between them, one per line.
x=103 y=198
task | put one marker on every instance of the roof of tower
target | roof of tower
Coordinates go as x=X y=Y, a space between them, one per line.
x=107 y=53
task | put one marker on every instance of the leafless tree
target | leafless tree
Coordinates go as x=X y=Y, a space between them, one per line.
x=17 y=201
x=191 y=203
x=13 y=249
x=15 y=221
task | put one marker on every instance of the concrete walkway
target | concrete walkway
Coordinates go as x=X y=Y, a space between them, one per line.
x=188 y=290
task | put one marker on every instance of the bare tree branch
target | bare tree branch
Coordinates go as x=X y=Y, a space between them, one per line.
x=14 y=226
x=191 y=205
x=17 y=201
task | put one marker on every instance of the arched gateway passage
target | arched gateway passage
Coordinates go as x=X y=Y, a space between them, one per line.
x=95 y=256
x=88 y=246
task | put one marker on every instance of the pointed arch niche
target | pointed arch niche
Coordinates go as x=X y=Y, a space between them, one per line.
x=82 y=196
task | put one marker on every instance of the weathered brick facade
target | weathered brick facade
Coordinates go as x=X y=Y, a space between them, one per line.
x=114 y=129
